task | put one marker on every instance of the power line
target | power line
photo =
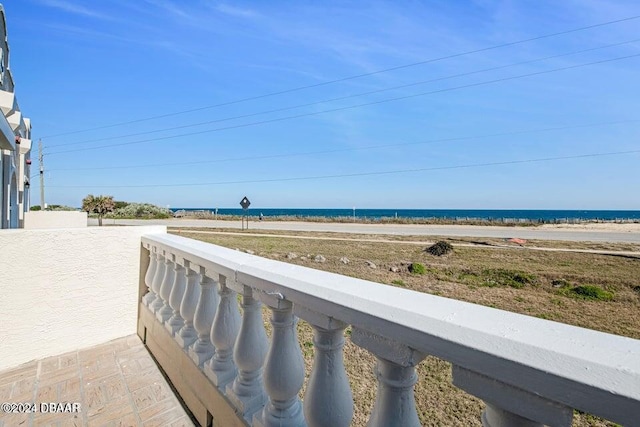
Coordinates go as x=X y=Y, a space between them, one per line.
x=343 y=79
x=346 y=97
x=348 y=107
x=340 y=150
x=350 y=175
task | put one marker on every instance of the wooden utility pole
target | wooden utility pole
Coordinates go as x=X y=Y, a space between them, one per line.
x=41 y=160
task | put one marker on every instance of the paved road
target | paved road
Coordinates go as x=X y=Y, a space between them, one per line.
x=405 y=229
x=413 y=242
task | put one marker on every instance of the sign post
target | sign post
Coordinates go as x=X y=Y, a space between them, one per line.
x=245 y=203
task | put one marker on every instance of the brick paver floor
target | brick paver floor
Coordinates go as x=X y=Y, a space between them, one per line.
x=115 y=384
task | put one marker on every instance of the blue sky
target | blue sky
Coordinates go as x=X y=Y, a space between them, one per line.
x=85 y=64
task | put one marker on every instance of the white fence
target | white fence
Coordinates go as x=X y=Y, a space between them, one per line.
x=529 y=371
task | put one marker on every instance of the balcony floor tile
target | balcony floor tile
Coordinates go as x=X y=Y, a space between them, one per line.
x=116 y=383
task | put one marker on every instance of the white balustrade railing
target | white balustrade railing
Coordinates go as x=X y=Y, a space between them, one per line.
x=164 y=313
x=221 y=369
x=202 y=349
x=529 y=371
x=328 y=400
x=176 y=322
x=155 y=303
x=150 y=296
x=187 y=335
x=283 y=369
x=396 y=375
x=247 y=390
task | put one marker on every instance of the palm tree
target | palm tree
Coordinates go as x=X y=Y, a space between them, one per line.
x=98 y=204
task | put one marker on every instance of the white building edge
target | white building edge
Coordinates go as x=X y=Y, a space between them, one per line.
x=15 y=144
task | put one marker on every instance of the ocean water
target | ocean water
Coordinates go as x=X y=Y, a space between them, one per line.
x=532 y=215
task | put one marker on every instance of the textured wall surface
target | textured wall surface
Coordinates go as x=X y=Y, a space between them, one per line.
x=54 y=219
x=66 y=289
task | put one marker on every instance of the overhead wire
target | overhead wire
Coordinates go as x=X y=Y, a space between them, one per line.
x=360 y=174
x=341 y=150
x=342 y=98
x=343 y=79
x=309 y=114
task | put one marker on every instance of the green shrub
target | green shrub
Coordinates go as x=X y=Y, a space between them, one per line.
x=417 y=268
x=398 y=282
x=467 y=276
x=141 y=210
x=35 y=208
x=591 y=292
x=504 y=277
x=60 y=208
x=440 y=248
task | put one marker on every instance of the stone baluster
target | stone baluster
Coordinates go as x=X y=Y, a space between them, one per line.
x=220 y=369
x=328 y=400
x=203 y=349
x=148 y=298
x=188 y=334
x=158 y=277
x=510 y=406
x=247 y=393
x=165 y=312
x=283 y=370
x=176 y=321
x=395 y=404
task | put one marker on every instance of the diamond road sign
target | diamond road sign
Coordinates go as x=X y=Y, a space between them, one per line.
x=245 y=203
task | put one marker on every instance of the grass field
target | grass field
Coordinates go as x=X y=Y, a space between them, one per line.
x=600 y=292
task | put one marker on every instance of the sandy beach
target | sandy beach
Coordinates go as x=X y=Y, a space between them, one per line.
x=600 y=226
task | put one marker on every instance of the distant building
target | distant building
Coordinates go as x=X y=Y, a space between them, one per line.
x=15 y=144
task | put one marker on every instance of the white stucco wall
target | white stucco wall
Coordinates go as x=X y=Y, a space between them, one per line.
x=65 y=289
x=54 y=219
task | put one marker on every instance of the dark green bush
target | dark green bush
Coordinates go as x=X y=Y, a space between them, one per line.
x=440 y=248
x=417 y=268
x=504 y=277
x=141 y=210
x=591 y=292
